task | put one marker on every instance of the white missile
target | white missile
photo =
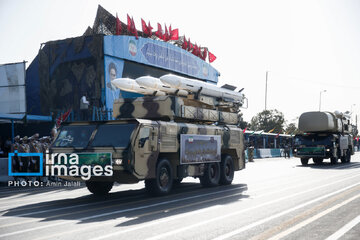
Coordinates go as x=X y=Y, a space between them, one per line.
x=156 y=85
x=204 y=88
x=130 y=85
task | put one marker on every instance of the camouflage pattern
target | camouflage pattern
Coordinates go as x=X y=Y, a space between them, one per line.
x=173 y=108
x=152 y=140
x=67 y=69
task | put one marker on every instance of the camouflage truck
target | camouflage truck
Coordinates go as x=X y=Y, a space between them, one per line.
x=160 y=140
x=326 y=135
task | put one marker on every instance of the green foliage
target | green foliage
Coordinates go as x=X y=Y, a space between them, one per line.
x=268 y=120
x=292 y=129
x=242 y=123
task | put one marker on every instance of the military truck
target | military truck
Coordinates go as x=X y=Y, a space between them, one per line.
x=326 y=135
x=160 y=140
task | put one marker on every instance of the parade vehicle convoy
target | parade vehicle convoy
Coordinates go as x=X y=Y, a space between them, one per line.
x=326 y=135
x=160 y=139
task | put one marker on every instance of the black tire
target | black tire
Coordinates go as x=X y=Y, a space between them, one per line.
x=347 y=157
x=334 y=160
x=226 y=170
x=318 y=161
x=304 y=161
x=99 y=188
x=211 y=175
x=163 y=182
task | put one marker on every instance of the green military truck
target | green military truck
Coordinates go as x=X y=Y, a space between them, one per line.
x=326 y=135
x=160 y=140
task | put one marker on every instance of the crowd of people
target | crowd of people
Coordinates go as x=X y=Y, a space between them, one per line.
x=32 y=144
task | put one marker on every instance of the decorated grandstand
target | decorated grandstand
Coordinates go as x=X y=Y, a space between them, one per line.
x=65 y=70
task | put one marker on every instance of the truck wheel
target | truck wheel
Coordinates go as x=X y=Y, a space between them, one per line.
x=99 y=188
x=304 y=161
x=226 y=170
x=318 y=161
x=347 y=157
x=211 y=175
x=334 y=160
x=163 y=182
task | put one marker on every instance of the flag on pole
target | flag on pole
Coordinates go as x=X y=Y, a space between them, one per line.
x=118 y=25
x=166 y=36
x=185 y=44
x=159 y=33
x=212 y=57
x=174 y=33
x=244 y=130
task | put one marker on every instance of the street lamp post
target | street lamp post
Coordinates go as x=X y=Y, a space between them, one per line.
x=320 y=99
x=266 y=80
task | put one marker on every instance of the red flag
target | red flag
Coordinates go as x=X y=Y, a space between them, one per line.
x=185 y=44
x=118 y=25
x=133 y=28
x=62 y=118
x=277 y=135
x=204 y=54
x=195 y=51
x=174 y=33
x=190 y=46
x=212 y=57
x=149 y=27
x=58 y=122
x=358 y=138
x=128 y=23
x=65 y=115
x=159 y=33
x=244 y=130
x=144 y=27
x=166 y=36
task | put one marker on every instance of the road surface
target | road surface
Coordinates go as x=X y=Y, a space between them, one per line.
x=270 y=199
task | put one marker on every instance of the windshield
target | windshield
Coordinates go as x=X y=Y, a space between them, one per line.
x=113 y=135
x=74 y=136
x=312 y=140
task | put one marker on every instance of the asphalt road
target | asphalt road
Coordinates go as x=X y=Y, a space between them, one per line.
x=270 y=199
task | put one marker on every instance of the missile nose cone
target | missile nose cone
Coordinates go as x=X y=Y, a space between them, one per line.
x=124 y=83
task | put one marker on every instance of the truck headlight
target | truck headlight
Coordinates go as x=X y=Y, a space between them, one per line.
x=328 y=150
x=118 y=161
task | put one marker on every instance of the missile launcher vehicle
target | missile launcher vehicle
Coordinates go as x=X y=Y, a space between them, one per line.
x=326 y=135
x=161 y=138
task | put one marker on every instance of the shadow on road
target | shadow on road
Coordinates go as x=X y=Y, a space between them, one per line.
x=328 y=165
x=136 y=205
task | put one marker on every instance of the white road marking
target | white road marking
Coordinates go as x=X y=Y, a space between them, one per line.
x=178 y=216
x=312 y=219
x=230 y=234
x=344 y=229
x=117 y=212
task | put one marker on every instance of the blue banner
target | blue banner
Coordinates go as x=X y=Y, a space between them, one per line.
x=160 y=54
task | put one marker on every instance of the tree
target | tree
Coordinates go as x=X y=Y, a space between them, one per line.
x=292 y=129
x=268 y=120
x=242 y=123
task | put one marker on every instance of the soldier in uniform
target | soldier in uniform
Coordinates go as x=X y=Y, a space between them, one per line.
x=16 y=160
x=24 y=148
x=34 y=148
x=251 y=152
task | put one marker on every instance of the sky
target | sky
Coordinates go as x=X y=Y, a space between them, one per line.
x=306 y=46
